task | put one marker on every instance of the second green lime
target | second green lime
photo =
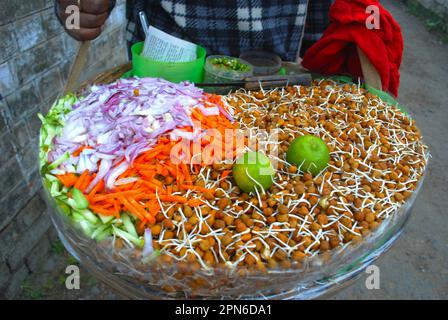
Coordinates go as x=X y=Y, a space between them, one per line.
x=309 y=153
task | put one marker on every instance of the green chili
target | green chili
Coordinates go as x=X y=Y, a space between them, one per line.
x=230 y=63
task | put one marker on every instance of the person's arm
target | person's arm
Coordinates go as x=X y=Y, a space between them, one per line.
x=93 y=15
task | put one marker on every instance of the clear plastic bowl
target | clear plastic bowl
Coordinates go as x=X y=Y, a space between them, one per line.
x=317 y=276
x=216 y=74
x=264 y=63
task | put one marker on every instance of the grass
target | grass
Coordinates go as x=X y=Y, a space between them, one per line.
x=31 y=291
x=433 y=22
x=57 y=247
x=49 y=285
x=72 y=260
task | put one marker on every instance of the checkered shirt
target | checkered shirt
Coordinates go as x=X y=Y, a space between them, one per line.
x=234 y=26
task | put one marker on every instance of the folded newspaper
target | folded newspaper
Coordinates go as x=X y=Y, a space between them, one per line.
x=161 y=46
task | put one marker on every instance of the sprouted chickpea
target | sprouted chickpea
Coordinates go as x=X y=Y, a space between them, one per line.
x=377 y=159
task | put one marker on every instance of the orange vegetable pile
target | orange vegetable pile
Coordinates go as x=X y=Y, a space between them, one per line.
x=147 y=182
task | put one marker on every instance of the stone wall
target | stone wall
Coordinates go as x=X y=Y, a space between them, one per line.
x=35 y=57
x=439 y=7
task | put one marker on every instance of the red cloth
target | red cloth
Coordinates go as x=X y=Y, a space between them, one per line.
x=335 y=52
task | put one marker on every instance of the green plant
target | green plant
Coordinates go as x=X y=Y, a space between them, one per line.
x=57 y=247
x=433 y=22
x=72 y=260
x=30 y=291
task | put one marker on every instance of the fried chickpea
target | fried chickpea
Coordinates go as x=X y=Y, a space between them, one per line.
x=322 y=219
x=370 y=216
x=282 y=217
x=228 y=219
x=168 y=235
x=282 y=209
x=209 y=258
x=324 y=245
x=359 y=215
x=240 y=227
x=292 y=169
x=156 y=229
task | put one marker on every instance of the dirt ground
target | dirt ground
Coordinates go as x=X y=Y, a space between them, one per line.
x=416 y=265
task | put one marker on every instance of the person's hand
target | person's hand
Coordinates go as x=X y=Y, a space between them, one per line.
x=93 y=15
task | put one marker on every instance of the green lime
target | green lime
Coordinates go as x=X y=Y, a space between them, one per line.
x=309 y=153
x=253 y=170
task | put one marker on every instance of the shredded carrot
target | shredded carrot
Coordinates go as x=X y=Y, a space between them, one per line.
x=141 y=225
x=157 y=183
x=170 y=168
x=99 y=187
x=169 y=190
x=195 y=202
x=68 y=179
x=145 y=166
x=162 y=170
x=162 y=157
x=196 y=188
x=225 y=174
x=149 y=154
x=162 y=197
x=86 y=182
x=149 y=175
x=197 y=114
x=186 y=173
x=140 y=228
x=171 y=198
x=116 y=208
x=158 y=173
x=81 y=179
x=102 y=210
x=138 y=184
x=114 y=195
x=141 y=210
x=167 y=148
x=131 y=208
x=152 y=186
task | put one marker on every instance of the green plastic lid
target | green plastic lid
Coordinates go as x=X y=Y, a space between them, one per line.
x=192 y=71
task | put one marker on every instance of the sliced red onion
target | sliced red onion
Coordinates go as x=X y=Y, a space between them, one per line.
x=121 y=120
x=87 y=161
x=134 y=150
x=113 y=174
x=210 y=111
x=176 y=134
x=226 y=113
x=103 y=170
x=123 y=181
x=148 y=249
